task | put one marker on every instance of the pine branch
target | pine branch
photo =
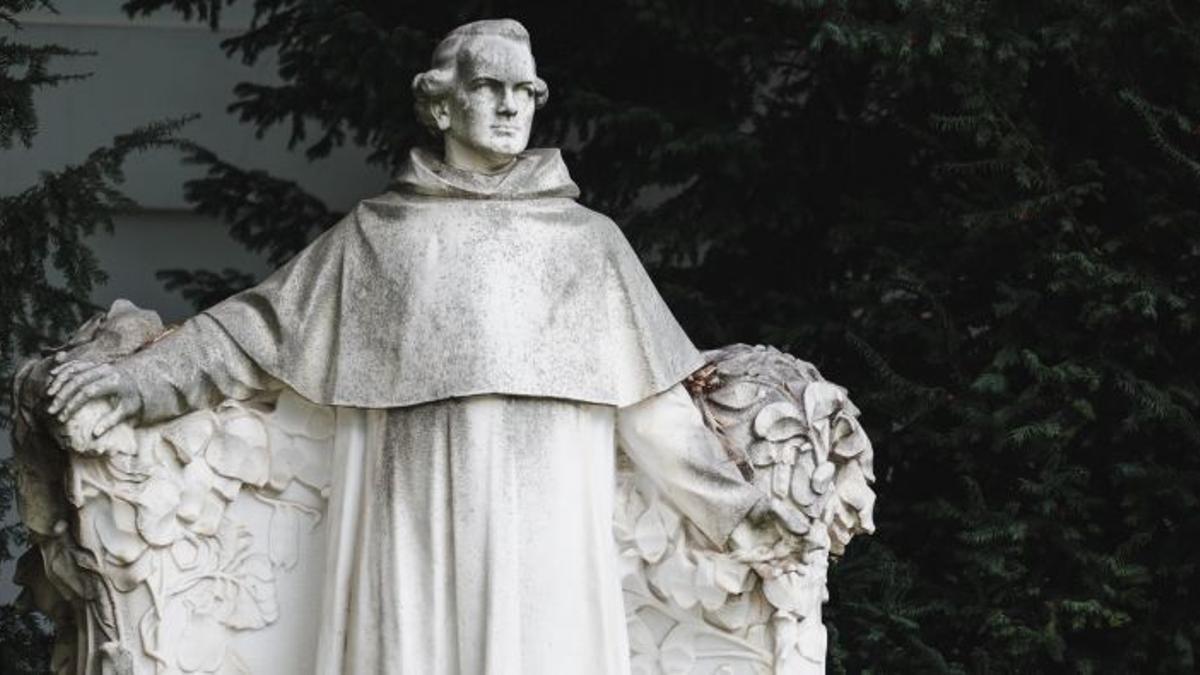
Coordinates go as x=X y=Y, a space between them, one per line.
x=24 y=70
x=204 y=288
x=200 y=10
x=1152 y=117
x=265 y=214
x=9 y=9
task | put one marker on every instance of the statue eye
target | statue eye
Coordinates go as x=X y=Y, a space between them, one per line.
x=482 y=84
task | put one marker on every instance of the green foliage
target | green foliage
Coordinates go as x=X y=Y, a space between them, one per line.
x=266 y=214
x=24 y=643
x=23 y=70
x=980 y=215
x=48 y=271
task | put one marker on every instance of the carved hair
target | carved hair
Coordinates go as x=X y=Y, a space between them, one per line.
x=431 y=86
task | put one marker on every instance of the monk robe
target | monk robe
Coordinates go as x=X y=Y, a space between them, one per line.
x=487 y=342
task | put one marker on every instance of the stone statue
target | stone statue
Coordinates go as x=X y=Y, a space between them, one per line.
x=436 y=386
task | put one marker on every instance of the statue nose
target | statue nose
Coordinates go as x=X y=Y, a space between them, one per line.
x=507 y=105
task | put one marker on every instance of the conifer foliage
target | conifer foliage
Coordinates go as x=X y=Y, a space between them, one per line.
x=983 y=216
x=46 y=269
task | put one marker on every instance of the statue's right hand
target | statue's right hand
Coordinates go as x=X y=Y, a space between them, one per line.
x=75 y=383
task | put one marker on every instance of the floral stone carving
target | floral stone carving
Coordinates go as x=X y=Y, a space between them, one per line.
x=157 y=547
x=695 y=609
x=197 y=545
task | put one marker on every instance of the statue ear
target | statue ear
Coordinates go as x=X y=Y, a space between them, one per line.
x=441 y=113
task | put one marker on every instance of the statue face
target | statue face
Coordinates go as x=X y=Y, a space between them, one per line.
x=486 y=121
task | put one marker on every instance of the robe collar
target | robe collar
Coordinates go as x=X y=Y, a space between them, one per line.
x=537 y=173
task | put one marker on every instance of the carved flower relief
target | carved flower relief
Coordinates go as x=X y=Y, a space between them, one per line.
x=163 y=491
x=684 y=602
x=803 y=437
x=152 y=507
x=226 y=586
x=810 y=455
x=300 y=433
x=675 y=654
x=678 y=566
x=181 y=476
x=838 y=435
x=798 y=640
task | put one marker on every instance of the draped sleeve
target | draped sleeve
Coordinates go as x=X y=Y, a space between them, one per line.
x=667 y=439
x=197 y=365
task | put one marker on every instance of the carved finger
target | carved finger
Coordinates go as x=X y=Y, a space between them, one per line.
x=68 y=375
x=61 y=374
x=72 y=387
x=59 y=357
x=74 y=384
x=97 y=389
x=71 y=366
x=112 y=419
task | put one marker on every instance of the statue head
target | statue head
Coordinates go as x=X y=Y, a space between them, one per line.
x=480 y=94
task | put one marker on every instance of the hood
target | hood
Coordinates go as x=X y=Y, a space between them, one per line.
x=536 y=174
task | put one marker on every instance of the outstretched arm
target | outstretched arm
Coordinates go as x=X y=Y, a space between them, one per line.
x=667 y=439
x=195 y=366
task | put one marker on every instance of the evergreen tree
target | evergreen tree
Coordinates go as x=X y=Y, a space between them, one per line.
x=47 y=270
x=980 y=215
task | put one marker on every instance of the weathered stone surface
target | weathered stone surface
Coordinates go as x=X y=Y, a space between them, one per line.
x=467 y=350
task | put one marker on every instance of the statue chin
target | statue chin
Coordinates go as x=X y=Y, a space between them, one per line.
x=490 y=155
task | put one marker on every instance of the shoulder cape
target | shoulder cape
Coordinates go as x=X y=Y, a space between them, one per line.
x=454 y=285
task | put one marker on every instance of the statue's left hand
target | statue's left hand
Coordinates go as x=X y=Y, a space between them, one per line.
x=75 y=383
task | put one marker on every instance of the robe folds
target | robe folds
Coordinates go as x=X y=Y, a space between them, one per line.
x=451 y=286
x=487 y=343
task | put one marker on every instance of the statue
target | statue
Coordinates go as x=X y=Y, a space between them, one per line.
x=436 y=386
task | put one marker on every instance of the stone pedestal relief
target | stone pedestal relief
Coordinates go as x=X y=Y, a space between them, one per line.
x=197 y=545
x=191 y=546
